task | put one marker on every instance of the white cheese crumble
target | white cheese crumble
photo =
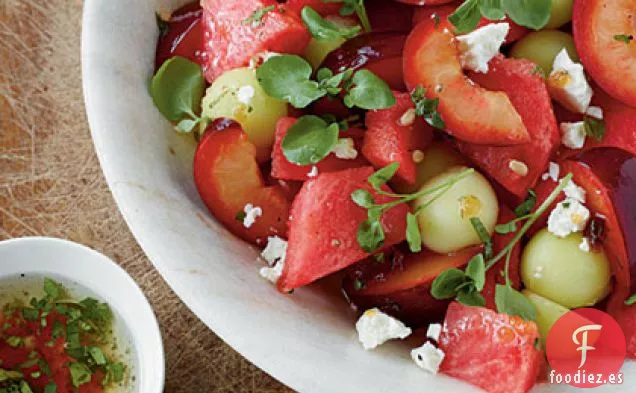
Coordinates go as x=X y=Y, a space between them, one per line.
x=245 y=94
x=375 y=328
x=585 y=245
x=428 y=357
x=480 y=46
x=595 y=112
x=568 y=85
x=573 y=191
x=573 y=135
x=313 y=172
x=553 y=172
x=569 y=216
x=345 y=149
x=274 y=254
x=434 y=331
x=251 y=214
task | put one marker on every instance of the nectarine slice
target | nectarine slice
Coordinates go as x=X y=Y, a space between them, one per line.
x=471 y=113
x=598 y=27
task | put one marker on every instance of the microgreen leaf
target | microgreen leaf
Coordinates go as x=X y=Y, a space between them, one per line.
x=97 y=355
x=177 y=88
x=370 y=235
x=527 y=205
x=476 y=271
x=53 y=290
x=80 y=374
x=50 y=387
x=309 y=140
x=186 y=125
x=325 y=30
x=624 y=38
x=427 y=108
x=354 y=6
x=471 y=298
x=512 y=302
x=257 y=16
x=382 y=176
x=466 y=17
x=594 y=128
x=363 y=198
x=504 y=229
x=287 y=78
x=369 y=92
x=445 y=285
x=484 y=236
x=30 y=314
x=491 y=9
x=58 y=329
x=534 y=14
x=114 y=373
x=413 y=236
x=631 y=300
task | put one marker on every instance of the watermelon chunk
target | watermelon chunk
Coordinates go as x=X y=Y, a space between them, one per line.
x=529 y=96
x=231 y=39
x=387 y=140
x=495 y=352
x=323 y=226
x=285 y=170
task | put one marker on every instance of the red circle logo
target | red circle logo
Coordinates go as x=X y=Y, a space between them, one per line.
x=586 y=348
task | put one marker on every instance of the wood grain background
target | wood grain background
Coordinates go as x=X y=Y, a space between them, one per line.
x=51 y=184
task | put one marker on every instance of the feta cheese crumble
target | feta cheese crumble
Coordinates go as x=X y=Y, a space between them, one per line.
x=567 y=84
x=585 y=245
x=569 y=216
x=375 y=328
x=595 y=112
x=345 y=149
x=251 y=214
x=553 y=172
x=313 y=172
x=573 y=135
x=274 y=254
x=434 y=331
x=428 y=357
x=480 y=46
x=573 y=191
x=245 y=94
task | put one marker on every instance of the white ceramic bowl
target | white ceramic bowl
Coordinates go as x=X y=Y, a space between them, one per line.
x=306 y=340
x=88 y=273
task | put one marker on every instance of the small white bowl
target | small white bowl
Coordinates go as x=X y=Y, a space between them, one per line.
x=88 y=273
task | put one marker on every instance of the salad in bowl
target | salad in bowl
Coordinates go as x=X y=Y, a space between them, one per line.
x=465 y=169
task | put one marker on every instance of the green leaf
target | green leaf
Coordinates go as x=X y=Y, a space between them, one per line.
x=413 y=236
x=324 y=30
x=44 y=367
x=52 y=289
x=80 y=374
x=369 y=92
x=466 y=17
x=114 y=373
x=534 y=14
x=50 y=387
x=512 y=302
x=370 y=235
x=445 y=285
x=471 y=298
x=624 y=38
x=58 y=329
x=631 y=300
x=492 y=9
x=25 y=388
x=257 y=16
x=97 y=355
x=309 y=140
x=287 y=78
x=594 y=128
x=476 y=271
x=427 y=108
x=484 y=236
x=354 y=6
x=363 y=198
x=382 y=176
x=177 y=88
x=186 y=125
x=30 y=314
x=527 y=205
x=504 y=229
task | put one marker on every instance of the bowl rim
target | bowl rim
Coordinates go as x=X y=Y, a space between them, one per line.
x=93 y=263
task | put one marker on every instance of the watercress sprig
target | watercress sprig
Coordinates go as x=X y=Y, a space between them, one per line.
x=349 y=7
x=322 y=29
x=309 y=140
x=534 y=14
x=288 y=78
x=427 y=108
x=370 y=234
x=177 y=89
x=452 y=283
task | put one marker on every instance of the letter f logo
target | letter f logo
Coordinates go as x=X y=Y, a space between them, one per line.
x=583 y=343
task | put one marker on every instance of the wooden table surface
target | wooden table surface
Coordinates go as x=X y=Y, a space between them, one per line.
x=51 y=185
